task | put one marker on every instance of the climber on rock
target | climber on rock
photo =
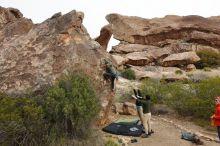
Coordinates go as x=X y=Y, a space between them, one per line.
x=110 y=73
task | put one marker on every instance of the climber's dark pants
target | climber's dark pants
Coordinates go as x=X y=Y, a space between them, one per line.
x=111 y=77
x=218 y=129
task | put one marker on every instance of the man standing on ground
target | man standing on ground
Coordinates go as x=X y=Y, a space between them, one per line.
x=139 y=105
x=146 y=115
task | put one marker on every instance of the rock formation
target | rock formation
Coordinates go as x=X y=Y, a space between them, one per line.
x=169 y=42
x=157 y=31
x=105 y=36
x=35 y=55
x=13 y=23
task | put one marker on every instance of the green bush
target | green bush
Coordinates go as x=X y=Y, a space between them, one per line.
x=192 y=99
x=128 y=74
x=66 y=111
x=208 y=59
x=207 y=69
x=111 y=142
x=21 y=122
x=154 y=88
x=71 y=106
x=179 y=72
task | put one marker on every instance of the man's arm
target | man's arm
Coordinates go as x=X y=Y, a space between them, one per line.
x=139 y=97
x=142 y=101
x=133 y=96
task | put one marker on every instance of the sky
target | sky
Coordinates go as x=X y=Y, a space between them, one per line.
x=96 y=10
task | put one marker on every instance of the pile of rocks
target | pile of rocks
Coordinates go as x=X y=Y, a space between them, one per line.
x=171 y=41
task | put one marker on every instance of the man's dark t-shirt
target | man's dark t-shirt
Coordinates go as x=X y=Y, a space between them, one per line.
x=145 y=104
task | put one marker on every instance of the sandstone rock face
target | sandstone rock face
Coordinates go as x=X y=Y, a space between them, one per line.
x=105 y=35
x=129 y=48
x=13 y=23
x=171 y=41
x=154 y=31
x=9 y=15
x=139 y=58
x=180 y=59
x=190 y=67
x=125 y=108
x=206 y=48
x=129 y=108
x=42 y=53
x=168 y=74
x=119 y=59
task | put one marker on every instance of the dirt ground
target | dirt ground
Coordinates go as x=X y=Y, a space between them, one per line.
x=168 y=134
x=167 y=128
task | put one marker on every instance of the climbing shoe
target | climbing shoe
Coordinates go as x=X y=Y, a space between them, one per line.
x=151 y=132
x=144 y=135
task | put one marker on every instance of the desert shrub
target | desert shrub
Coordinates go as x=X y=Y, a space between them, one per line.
x=111 y=142
x=208 y=88
x=154 y=88
x=66 y=111
x=208 y=59
x=207 y=69
x=21 y=122
x=123 y=98
x=191 y=99
x=124 y=94
x=185 y=101
x=71 y=106
x=128 y=74
x=179 y=72
x=198 y=77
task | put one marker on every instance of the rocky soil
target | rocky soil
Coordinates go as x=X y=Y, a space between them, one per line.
x=167 y=133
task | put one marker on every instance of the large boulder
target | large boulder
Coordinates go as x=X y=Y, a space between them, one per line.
x=13 y=23
x=191 y=29
x=169 y=41
x=119 y=59
x=36 y=58
x=104 y=37
x=180 y=59
x=139 y=58
x=205 y=48
x=126 y=108
x=174 y=46
x=130 y=48
x=190 y=67
x=141 y=55
x=157 y=73
x=9 y=15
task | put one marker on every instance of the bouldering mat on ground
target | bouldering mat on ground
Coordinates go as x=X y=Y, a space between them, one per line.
x=124 y=127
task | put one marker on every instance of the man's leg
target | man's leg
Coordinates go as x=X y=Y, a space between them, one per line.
x=145 y=123
x=140 y=114
x=114 y=84
x=218 y=129
x=106 y=76
x=111 y=77
x=149 y=122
